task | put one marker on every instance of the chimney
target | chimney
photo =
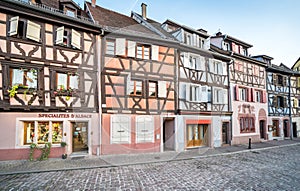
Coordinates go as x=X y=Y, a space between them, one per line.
x=144 y=10
x=94 y=3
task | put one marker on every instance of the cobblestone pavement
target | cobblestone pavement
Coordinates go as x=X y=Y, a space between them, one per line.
x=272 y=169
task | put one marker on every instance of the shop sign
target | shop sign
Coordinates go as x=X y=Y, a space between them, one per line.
x=63 y=115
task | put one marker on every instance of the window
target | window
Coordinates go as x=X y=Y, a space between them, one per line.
x=143 y=52
x=242 y=94
x=193 y=62
x=247 y=125
x=201 y=42
x=187 y=39
x=24 y=29
x=110 y=47
x=152 y=89
x=226 y=46
x=217 y=67
x=42 y=131
x=120 y=129
x=209 y=95
x=144 y=129
x=279 y=80
x=280 y=101
x=136 y=88
x=258 y=96
x=66 y=81
x=68 y=38
x=26 y=78
x=195 y=93
x=220 y=96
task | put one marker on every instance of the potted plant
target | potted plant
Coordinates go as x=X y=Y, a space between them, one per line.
x=64 y=155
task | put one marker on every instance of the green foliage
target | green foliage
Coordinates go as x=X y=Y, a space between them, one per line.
x=45 y=151
x=13 y=91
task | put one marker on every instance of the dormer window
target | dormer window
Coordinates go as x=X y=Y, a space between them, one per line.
x=187 y=39
x=70 y=13
x=68 y=38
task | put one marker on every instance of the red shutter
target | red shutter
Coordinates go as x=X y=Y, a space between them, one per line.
x=237 y=98
x=264 y=96
x=249 y=94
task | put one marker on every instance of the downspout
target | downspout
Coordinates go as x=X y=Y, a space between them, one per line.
x=290 y=109
x=229 y=99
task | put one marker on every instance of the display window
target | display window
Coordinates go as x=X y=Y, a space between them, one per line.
x=40 y=132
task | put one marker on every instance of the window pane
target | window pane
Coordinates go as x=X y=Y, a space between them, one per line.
x=70 y=13
x=31 y=79
x=152 y=89
x=43 y=132
x=17 y=77
x=73 y=82
x=146 y=52
x=57 y=132
x=61 y=81
x=28 y=132
x=139 y=53
x=138 y=88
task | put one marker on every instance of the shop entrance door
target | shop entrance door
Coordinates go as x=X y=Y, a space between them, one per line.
x=80 y=136
x=225 y=132
x=262 y=129
x=286 y=128
x=197 y=135
x=294 y=129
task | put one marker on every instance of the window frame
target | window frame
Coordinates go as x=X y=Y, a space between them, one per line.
x=68 y=80
x=155 y=89
x=133 y=91
x=107 y=50
x=25 y=77
x=143 y=48
x=247 y=125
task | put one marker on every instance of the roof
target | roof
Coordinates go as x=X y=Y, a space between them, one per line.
x=230 y=38
x=293 y=67
x=112 y=21
x=280 y=68
x=199 y=32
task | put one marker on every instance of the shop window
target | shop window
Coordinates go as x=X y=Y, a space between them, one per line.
x=29 y=134
x=67 y=81
x=42 y=131
x=247 y=125
x=57 y=129
x=24 y=78
x=120 y=129
x=144 y=129
x=110 y=47
x=25 y=29
x=68 y=37
x=136 y=88
x=143 y=52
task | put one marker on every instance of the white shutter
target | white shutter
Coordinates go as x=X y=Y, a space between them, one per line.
x=197 y=41
x=186 y=60
x=128 y=80
x=214 y=97
x=131 y=48
x=162 y=89
x=220 y=68
x=224 y=45
x=202 y=63
x=60 y=35
x=199 y=93
x=154 y=52
x=75 y=40
x=225 y=96
x=182 y=91
x=207 y=44
x=121 y=46
x=204 y=93
x=224 y=68
x=194 y=43
x=211 y=66
x=13 y=30
x=33 y=31
x=198 y=63
x=187 y=92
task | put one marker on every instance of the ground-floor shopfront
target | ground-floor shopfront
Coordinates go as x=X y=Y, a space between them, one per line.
x=279 y=128
x=80 y=132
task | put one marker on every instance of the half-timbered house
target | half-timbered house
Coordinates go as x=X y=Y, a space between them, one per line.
x=295 y=99
x=48 y=76
x=279 y=101
x=202 y=91
x=248 y=89
x=138 y=79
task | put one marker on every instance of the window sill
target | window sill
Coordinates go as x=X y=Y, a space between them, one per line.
x=68 y=48
x=24 y=40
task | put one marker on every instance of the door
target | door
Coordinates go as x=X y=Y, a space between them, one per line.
x=80 y=136
x=294 y=129
x=276 y=128
x=197 y=135
x=262 y=129
x=225 y=132
x=286 y=128
x=169 y=134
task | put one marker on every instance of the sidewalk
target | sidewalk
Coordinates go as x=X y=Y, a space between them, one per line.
x=89 y=162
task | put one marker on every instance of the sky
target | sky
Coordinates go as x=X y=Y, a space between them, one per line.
x=271 y=26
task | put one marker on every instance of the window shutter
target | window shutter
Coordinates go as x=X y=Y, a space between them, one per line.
x=224 y=68
x=128 y=80
x=285 y=102
x=121 y=46
x=182 y=91
x=275 y=104
x=298 y=85
x=162 y=89
x=13 y=29
x=249 y=94
x=224 y=46
x=60 y=35
x=131 y=49
x=264 y=97
x=201 y=63
x=204 y=94
x=214 y=97
x=225 y=96
x=33 y=31
x=154 y=52
x=295 y=102
x=194 y=43
x=186 y=60
x=254 y=95
x=284 y=80
x=198 y=93
x=220 y=68
x=237 y=97
x=207 y=44
x=211 y=65
x=274 y=79
x=187 y=92
x=75 y=40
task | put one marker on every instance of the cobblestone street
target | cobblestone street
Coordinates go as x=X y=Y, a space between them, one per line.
x=271 y=169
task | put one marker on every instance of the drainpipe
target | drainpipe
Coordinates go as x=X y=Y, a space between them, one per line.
x=290 y=109
x=229 y=99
